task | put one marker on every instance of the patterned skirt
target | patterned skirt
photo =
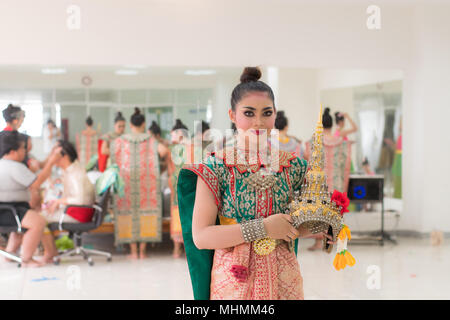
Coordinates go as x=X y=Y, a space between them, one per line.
x=275 y=276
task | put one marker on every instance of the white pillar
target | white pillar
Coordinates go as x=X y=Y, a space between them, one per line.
x=426 y=122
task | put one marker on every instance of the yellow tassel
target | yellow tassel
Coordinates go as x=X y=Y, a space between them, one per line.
x=335 y=261
x=348 y=232
x=341 y=262
x=349 y=259
x=342 y=234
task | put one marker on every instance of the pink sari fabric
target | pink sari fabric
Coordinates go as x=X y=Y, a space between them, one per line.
x=275 y=276
x=338 y=160
x=337 y=134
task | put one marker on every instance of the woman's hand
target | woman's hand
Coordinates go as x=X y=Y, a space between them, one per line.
x=279 y=226
x=305 y=233
x=55 y=155
x=328 y=237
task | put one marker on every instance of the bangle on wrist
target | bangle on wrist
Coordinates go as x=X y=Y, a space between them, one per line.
x=253 y=230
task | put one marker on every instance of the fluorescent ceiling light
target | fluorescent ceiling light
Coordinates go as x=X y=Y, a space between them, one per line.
x=53 y=70
x=135 y=66
x=126 y=72
x=199 y=72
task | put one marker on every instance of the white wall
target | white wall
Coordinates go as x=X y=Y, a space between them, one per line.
x=284 y=33
x=298 y=97
x=341 y=78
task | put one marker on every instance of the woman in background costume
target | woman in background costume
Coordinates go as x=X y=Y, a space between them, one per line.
x=137 y=215
x=287 y=143
x=246 y=192
x=87 y=142
x=179 y=151
x=105 y=140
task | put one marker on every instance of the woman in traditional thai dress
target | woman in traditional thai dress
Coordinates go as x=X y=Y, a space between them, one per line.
x=337 y=152
x=87 y=142
x=179 y=150
x=107 y=138
x=246 y=191
x=287 y=143
x=340 y=124
x=397 y=164
x=137 y=215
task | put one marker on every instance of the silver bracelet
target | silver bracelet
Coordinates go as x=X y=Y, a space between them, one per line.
x=253 y=230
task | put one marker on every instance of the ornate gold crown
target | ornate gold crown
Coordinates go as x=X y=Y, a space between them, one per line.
x=317 y=209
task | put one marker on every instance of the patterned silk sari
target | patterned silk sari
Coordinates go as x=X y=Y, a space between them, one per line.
x=137 y=215
x=87 y=147
x=272 y=276
x=397 y=169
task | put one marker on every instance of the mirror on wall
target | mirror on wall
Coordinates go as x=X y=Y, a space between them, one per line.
x=376 y=110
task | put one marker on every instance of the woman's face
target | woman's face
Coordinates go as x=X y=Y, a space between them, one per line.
x=17 y=123
x=254 y=114
x=119 y=127
x=341 y=124
x=177 y=136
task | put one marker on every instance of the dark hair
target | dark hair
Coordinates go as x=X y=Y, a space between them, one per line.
x=89 y=121
x=119 y=117
x=68 y=149
x=137 y=118
x=179 y=125
x=365 y=162
x=281 y=121
x=250 y=83
x=10 y=141
x=202 y=127
x=12 y=113
x=155 y=129
x=327 y=120
x=338 y=117
x=50 y=121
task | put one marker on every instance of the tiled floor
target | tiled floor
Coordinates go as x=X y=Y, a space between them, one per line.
x=413 y=269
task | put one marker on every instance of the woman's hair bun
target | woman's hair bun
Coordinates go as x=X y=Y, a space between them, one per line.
x=89 y=121
x=250 y=74
x=327 y=111
x=280 y=114
x=119 y=117
x=136 y=110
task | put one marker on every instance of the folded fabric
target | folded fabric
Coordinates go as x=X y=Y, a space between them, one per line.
x=110 y=178
x=92 y=163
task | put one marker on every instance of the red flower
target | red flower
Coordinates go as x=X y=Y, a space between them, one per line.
x=239 y=272
x=341 y=199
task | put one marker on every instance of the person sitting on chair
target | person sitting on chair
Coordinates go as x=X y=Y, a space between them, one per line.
x=18 y=186
x=78 y=190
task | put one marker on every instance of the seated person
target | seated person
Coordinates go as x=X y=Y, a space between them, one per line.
x=78 y=190
x=18 y=186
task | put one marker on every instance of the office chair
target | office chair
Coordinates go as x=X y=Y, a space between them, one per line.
x=9 y=229
x=78 y=229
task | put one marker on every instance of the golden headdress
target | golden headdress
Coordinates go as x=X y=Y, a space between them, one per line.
x=319 y=210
